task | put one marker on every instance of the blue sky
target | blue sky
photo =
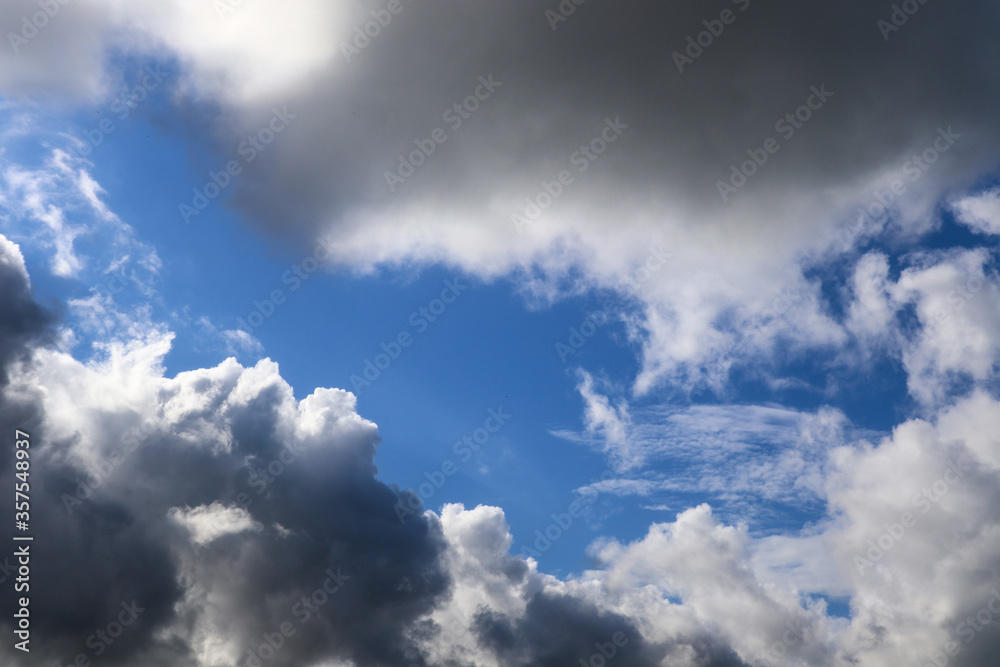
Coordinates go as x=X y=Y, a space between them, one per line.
x=494 y=347
x=697 y=420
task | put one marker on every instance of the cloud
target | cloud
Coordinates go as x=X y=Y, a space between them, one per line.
x=221 y=504
x=871 y=314
x=504 y=612
x=227 y=50
x=272 y=490
x=752 y=461
x=657 y=182
x=235 y=342
x=25 y=323
x=954 y=296
x=981 y=213
x=919 y=583
x=226 y=509
x=59 y=204
x=209 y=522
x=703 y=563
x=644 y=146
x=704 y=592
x=610 y=422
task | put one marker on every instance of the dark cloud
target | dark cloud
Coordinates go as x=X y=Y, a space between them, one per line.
x=563 y=630
x=62 y=54
x=615 y=59
x=24 y=321
x=105 y=501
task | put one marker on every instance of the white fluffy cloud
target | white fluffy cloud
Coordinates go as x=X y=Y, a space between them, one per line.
x=981 y=213
x=911 y=538
x=209 y=522
x=959 y=316
x=238 y=52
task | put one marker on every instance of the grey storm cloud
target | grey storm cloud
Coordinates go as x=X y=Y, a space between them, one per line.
x=882 y=99
x=118 y=545
x=102 y=502
x=24 y=322
x=563 y=630
x=226 y=511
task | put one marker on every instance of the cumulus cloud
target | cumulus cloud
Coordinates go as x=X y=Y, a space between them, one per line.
x=910 y=536
x=273 y=492
x=916 y=536
x=221 y=509
x=957 y=340
x=209 y=522
x=25 y=322
x=504 y=612
x=981 y=213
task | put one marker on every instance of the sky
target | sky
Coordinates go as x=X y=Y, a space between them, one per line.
x=448 y=334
